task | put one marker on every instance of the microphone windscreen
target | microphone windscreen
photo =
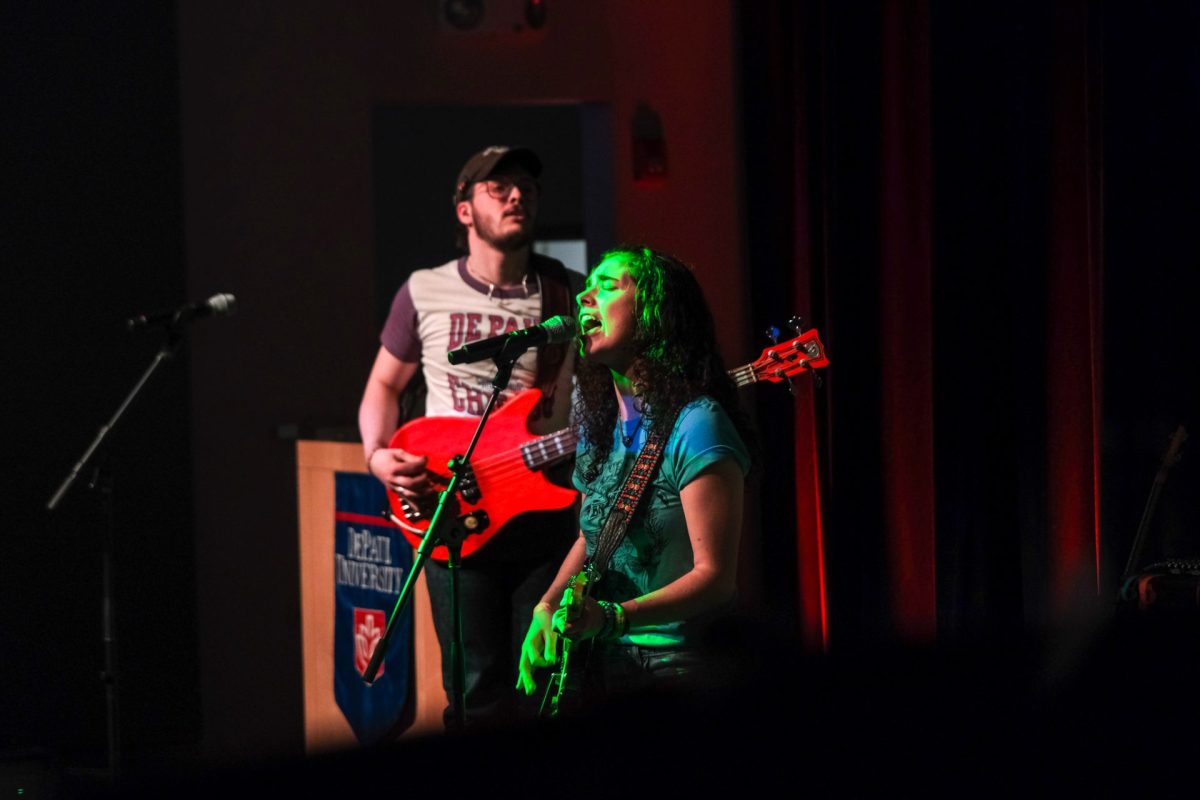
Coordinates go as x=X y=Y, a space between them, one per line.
x=560 y=329
x=222 y=305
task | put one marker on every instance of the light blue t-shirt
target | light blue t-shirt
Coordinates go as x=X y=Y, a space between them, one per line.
x=656 y=549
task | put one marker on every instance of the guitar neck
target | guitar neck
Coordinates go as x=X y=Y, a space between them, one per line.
x=776 y=363
x=552 y=448
x=743 y=375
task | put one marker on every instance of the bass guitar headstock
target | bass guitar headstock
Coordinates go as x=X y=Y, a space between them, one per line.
x=784 y=360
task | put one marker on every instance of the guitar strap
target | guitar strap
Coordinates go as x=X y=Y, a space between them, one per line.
x=627 y=502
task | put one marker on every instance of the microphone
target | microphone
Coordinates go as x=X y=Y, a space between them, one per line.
x=553 y=331
x=219 y=305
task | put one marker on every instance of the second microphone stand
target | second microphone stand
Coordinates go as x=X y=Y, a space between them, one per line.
x=100 y=484
x=446 y=528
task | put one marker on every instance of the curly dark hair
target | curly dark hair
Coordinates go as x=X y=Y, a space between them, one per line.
x=677 y=358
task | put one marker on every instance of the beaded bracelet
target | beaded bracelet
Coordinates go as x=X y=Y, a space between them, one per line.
x=371 y=455
x=606 y=631
x=616 y=622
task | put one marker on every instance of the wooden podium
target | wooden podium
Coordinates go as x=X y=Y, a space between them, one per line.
x=325 y=728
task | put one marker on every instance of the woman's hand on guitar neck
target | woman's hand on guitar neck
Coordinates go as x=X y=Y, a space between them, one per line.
x=583 y=621
x=401 y=471
x=540 y=648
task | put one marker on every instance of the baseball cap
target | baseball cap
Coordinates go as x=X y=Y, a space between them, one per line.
x=488 y=160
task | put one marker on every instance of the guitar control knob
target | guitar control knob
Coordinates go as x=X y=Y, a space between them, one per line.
x=476 y=521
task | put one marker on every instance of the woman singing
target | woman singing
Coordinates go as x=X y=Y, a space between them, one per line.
x=649 y=364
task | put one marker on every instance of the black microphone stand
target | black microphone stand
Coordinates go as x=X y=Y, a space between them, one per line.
x=452 y=537
x=1134 y=562
x=101 y=483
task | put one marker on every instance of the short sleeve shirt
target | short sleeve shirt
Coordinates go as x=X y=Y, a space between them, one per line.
x=656 y=549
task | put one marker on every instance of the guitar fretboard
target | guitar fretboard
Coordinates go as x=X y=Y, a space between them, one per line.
x=550 y=449
x=776 y=363
x=744 y=375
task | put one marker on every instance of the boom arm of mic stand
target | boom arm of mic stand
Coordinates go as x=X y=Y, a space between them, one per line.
x=165 y=352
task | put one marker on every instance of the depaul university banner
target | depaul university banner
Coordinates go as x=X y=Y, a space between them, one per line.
x=371 y=562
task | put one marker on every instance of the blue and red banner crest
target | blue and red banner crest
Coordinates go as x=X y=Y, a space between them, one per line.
x=371 y=562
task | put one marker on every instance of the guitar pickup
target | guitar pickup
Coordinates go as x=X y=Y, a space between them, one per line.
x=414 y=512
x=468 y=487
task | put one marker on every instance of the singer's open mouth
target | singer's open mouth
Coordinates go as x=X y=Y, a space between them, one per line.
x=588 y=324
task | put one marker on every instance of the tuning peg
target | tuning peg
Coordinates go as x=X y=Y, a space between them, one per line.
x=796 y=323
x=773 y=334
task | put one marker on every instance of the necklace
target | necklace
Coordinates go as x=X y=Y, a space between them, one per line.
x=627 y=439
x=492 y=287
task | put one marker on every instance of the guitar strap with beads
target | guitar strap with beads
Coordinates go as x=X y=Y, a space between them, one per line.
x=615 y=526
x=627 y=501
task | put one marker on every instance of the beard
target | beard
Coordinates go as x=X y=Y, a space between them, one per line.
x=505 y=242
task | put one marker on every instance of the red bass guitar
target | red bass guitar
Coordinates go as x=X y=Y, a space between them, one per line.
x=506 y=476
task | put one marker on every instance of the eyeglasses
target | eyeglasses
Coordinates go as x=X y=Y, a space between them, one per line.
x=502 y=185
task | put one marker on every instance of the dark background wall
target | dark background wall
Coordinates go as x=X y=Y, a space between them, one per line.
x=157 y=153
x=93 y=232
x=1152 y=276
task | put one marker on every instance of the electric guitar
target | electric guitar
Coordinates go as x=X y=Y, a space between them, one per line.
x=563 y=681
x=506 y=476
